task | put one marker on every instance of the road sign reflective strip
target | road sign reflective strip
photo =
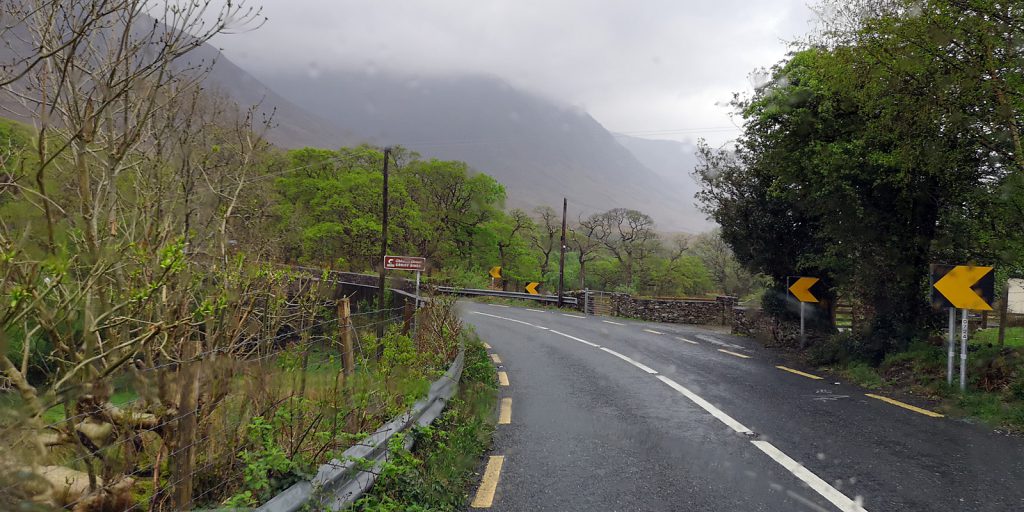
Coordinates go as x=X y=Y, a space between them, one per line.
x=489 y=483
x=631 y=361
x=503 y=378
x=908 y=407
x=813 y=481
x=798 y=372
x=505 y=414
x=734 y=353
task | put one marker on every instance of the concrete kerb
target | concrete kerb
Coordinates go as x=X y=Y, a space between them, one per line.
x=340 y=483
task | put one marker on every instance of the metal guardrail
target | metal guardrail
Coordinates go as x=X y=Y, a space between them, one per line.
x=475 y=292
x=340 y=483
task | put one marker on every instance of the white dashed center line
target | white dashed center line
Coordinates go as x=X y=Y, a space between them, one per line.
x=585 y=342
x=610 y=322
x=680 y=338
x=653 y=331
x=631 y=361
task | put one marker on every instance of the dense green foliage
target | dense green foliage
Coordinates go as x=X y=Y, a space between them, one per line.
x=434 y=476
x=890 y=143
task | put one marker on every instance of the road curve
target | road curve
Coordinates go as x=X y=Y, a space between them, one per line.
x=604 y=414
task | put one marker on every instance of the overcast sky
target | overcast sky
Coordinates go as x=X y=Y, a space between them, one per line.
x=654 y=68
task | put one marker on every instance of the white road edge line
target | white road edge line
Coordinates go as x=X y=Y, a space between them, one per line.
x=704 y=404
x=572 y=316
x=680 y=338
x=585 y=342
x=813 y=481
x=631 y=361
x=536 y=310
x=653 y=331
x=500 y=306
x=610 y=322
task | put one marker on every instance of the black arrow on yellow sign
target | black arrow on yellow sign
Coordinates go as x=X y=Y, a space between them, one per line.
x=963 y=287
x=532 y=288
x=801 y=289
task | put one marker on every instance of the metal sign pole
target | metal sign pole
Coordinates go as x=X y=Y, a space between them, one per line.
x=952 y=346
x=963 y=350
x=803 y=339
x=416 y=313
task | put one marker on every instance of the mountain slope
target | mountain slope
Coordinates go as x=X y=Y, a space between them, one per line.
x=540 y=150
x=291 y=126
x=674 y=162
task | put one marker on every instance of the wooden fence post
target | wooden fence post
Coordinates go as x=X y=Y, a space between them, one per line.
x=345 y=325
x=408 y=312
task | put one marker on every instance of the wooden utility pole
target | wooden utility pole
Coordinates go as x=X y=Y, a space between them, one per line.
x=382 y=316
x=561 y=257
x=348 y=358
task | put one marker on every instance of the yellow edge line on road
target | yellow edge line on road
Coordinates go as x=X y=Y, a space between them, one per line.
x=495 y=358
x=505 y=414
x=908 y=407
x=489 y=484
x=503 y=378
x=488 y=347
x=800 y=373
x=744 y=356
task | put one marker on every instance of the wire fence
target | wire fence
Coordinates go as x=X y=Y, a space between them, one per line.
x=306 y=391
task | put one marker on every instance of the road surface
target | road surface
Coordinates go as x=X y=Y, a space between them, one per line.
x=607 y=414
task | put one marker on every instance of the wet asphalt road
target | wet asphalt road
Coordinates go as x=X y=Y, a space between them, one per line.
x=676 y=419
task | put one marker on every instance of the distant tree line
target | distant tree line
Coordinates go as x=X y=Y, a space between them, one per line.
x=327 y=208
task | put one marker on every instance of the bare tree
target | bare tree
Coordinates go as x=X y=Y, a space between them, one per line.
x=585 y=244
x=122 y=261
x=628 y=235
x=546 y=236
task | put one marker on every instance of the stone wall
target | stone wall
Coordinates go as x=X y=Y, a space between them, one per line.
x=772 y=332
x=701 y=312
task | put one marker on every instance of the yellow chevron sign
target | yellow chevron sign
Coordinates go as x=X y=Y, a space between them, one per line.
x=967 y=287
x=532 y=288
x=496 y=272
x=801 y=289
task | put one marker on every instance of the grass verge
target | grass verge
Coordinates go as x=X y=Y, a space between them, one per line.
x=995 y=393
x=435 y=475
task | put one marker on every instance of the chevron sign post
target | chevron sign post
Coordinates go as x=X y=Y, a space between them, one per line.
x=963 y=287
x=801 y=289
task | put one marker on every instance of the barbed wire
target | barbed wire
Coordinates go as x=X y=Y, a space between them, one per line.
x=209 y=435
x=201 y=355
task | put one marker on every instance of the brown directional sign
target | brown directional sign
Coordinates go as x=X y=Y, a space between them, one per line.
x=405 y=263
x=963 y=287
